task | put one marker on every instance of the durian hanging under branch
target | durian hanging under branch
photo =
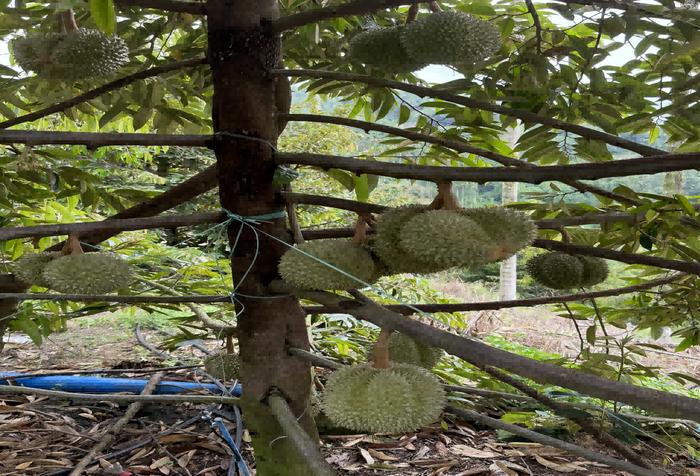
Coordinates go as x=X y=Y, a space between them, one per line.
x=383 y=397
x=75 y=53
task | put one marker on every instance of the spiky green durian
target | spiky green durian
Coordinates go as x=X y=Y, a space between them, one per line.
x=385 y=243
x=444 y=238
x=305 y=272
x=87 y=273
x=401 y=398
x=223 y=365
x=34 y=53
x=556 y=270
x=595 y=270
x=79 y=54
x=29 y=268
x=382 y=48
x=87 y=53
x=404 y=350
x=508 y=230
x=450 y=37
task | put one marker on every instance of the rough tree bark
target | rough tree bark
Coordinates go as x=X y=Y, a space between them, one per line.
x=8 y=284
x=242 y=49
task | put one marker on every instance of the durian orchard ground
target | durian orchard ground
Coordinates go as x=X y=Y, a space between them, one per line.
x=50 y=430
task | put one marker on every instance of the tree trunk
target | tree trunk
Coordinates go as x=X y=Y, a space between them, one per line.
x=241 y=51
x=8 y=284
x=509 y=194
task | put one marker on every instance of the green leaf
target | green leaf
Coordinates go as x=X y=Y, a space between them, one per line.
x=654 y=134
x=29 y=327
x=590 y=334
x=104 y=15
x=141 y=117
x=685 y=204
x=404 y=114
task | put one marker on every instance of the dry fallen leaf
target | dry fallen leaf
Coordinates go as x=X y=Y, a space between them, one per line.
x=469 y=452
x=368 y=457
x=561 y=467
x=497 y=468
x=382 y=456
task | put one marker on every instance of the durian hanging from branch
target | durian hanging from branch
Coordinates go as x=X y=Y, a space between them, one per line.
x=77 y=272
x=72 y=54
x=442 y=37
x=383 y=397
x=557 y=270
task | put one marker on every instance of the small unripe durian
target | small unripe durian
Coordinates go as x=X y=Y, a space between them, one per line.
x=223 y=366
x=404 y=350
x=29 y=268
x=450 y=37
x=508 y=230
x=385 y=243
x=445 y=238
x=382 y=48
x=556 y=270
x=595 y=270
x=87 y=273
x=304 y=272
x=401 y=398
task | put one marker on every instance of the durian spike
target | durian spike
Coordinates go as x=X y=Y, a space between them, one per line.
x=434 y=7
x=229 y=345
x=361 y=227
x=72 y=246
x=412 y=13
x=380 y=354
x=68 y=19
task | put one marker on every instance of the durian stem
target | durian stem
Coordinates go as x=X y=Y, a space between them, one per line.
x=412 y=13
x=361 y=228
x=68 y=18
x=446 y=199
x=229 y=344
x=434 y=7
x=380 y=355
x=72 y=246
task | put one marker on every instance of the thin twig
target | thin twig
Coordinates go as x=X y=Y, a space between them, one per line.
x=115 y=429
x=147 y=345
x=536 y=22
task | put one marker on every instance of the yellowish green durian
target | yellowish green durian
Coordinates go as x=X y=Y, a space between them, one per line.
x=382 y=49
x=87 y=273
x=405 y=350
x=508 y=230
x=30 y=267
x=223 y=366
x=556 y=270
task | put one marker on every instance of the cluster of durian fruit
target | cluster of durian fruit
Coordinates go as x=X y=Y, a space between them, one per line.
x=450 y=38
x=409 y=239
x=562 y=271
x=403 y=396
x=80 y=273
x=80 y=54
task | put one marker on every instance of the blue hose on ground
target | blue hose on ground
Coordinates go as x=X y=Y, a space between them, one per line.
x=90 y=384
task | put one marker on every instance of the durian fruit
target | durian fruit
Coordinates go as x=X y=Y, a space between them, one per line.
x=35 y=53
x=556 y=270
x=87 y=273
x=450 y=37
x=29 y=267
x=87 y=53
x=508 y=230
x=445 y=238
x=595 y=270
x=398 y=399
x=385 y=242
x=382 y=48
x=223 y=365
x=302 y=271
x=404 y=350
x=79 y=54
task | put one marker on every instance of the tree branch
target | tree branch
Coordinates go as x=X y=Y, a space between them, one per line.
x=93 y=93
x=481 y=354
x=588 y=171
x=630 y=258
x=549 y=441
x=536 y=22
x=356 y=7
x=495 y=305
x=181 y=193
x=167 y=5
x=93 y=140
x=526 y=116
x=111 y=225
x=305 y=446
x=10 y=389
x=341 y=203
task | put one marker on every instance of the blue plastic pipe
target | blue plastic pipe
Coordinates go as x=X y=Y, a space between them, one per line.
x=90 y=384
